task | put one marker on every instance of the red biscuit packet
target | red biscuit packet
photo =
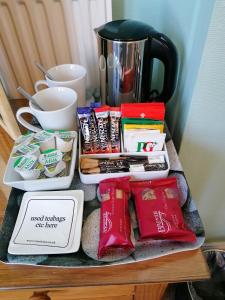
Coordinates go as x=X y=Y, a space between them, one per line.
x=115 y=224
x=158 y=211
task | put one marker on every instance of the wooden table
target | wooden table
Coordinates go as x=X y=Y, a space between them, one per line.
x=139 y=281
x=143 y=280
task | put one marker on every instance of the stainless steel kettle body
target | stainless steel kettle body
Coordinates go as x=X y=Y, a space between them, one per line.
x=120 y=67
x=126 y=50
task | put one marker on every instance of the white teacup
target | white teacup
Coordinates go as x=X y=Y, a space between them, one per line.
x=68 y=75
x=59 y=104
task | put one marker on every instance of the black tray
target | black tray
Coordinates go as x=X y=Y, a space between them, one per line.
x=144 y=251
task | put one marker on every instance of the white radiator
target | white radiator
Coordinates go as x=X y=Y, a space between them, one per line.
x=51 y=32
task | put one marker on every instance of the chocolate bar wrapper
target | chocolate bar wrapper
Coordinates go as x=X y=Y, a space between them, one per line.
x=94 y=133
x=84 y=116
x=115 y=117
x=102 y=117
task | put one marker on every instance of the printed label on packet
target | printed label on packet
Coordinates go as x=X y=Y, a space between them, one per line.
x=115 y=116
x=115 y=224
x=146 y=146
x=137 y=168
x=84 y=116
x=51 y=170
x=158 y=210
x=26 y=138
x=63 y=134
x=25 y=149
x=156 y=159
x=94 y=133
x=102 y=115
x=143 y=140
x=43 y=135
x=25 y=163
x=49 y=157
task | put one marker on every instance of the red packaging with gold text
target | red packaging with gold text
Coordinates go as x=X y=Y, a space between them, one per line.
x=115 y=224
x=158 y=210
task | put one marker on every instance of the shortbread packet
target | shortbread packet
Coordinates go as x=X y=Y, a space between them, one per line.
x=115 y=223
x=158 y=210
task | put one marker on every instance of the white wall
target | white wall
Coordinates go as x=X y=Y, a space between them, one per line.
x=202 y=149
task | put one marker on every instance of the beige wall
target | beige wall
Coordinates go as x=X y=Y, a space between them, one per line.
x=202 y=149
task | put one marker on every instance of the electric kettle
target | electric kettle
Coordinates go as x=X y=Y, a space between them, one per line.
x=126 y=50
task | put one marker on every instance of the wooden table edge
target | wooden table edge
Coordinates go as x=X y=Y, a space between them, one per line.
x=145 y=272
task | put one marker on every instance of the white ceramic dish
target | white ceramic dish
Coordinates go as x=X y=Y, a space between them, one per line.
x=48 y=223
x=12 y=178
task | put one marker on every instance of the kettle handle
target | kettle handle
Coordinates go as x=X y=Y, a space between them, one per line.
x=163 y=49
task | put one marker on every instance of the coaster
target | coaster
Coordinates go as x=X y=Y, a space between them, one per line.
x=48 y=223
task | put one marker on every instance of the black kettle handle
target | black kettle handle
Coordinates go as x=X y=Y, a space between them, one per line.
x=163 y=49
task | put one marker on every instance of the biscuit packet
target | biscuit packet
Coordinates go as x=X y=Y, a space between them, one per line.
x=115 y=223
x=158 y=210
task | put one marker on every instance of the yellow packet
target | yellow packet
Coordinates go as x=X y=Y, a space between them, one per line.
x=160 y=127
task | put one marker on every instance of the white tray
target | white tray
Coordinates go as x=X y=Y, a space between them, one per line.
x=146 y=175
x=13 y=179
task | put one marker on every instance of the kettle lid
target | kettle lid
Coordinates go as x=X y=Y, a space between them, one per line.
x=125 y=30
